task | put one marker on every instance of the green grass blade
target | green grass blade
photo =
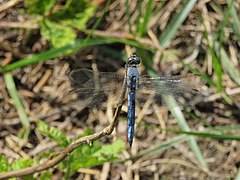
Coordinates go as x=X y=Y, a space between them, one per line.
x=196 y=71
x=128 y=16
x=177 y=113
x=217 y=68
x=139 y=15
x=9 y=81
x=198 y=119
x=158 y=8
x=226 y=98
x=131 y=43
x=236 y=23
x=163 y=146
x=211 y=135
x=175 y=23
x=96 y=23
x=55 y=52
x=229 y=67
x=143 y=25
x=227 y=128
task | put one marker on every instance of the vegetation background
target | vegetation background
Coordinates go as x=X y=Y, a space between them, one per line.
x=41 y=41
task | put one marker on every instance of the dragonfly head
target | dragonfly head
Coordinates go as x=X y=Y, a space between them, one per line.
x=133 y=60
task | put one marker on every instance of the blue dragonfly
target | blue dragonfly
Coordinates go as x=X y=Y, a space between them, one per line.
x=94 y=87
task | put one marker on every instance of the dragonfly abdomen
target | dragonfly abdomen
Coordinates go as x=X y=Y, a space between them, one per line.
x=131 y=110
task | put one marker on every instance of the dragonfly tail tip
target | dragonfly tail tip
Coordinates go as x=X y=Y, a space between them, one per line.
x=130 y=144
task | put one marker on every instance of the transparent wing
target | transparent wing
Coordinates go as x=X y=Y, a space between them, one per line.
x=96 y=88
x=163 y=88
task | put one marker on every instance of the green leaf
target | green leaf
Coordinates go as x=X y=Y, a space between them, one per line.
x=88 y=156
x=40 y=7
x=4 y=166
x=81 y=157
x=58 y=26
x=22 y=163
x=57 y=34
x=45 y=175
x=109 y=152
x=59 y=137
x=76 y=14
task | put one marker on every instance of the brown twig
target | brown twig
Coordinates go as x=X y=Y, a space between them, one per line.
x=22 y=25
x=65 y=152
x=9 y=4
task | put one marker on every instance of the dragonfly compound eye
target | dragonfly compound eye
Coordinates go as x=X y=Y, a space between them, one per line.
x=134 y=59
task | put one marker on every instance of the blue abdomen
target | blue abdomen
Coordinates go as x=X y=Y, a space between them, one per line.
x=131 y=110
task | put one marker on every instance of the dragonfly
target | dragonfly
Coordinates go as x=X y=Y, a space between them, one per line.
x=94 y=87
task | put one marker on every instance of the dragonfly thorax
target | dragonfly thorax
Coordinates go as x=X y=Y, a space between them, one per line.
x=132 y=73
